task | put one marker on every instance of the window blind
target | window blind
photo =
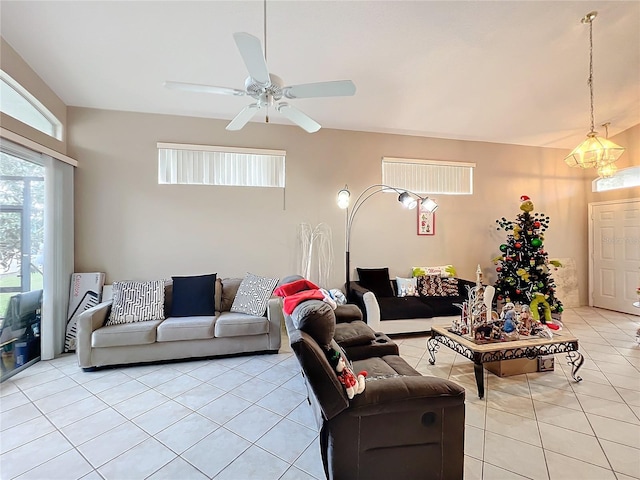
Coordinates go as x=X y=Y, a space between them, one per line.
x=428 y=176
x=210 y=165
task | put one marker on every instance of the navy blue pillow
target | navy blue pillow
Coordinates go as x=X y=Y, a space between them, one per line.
x=193 y=296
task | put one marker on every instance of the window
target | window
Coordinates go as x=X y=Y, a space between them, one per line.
x=625 y=178
x=209 y=165
x=18 y=103
x=428 y=176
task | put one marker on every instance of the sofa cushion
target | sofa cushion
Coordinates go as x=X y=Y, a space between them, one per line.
x=137 y=302
x=353 y=333
x=405 y=307
x=193 y=296
x=186 y=328
x=229 y=290
x=316 y=318
x=137 y=333
x=253 y=294
x=444 y=306
x=231 y=324
x=377 y=280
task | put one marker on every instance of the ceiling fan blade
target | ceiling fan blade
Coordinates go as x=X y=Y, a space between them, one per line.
x=251 y=52
x=296 y=116
x=243 y=117
x=338 y=88
x=194 y=87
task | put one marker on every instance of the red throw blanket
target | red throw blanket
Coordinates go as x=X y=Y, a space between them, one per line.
x=297 y=292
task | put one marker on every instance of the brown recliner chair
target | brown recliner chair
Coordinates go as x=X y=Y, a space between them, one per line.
x=403 y=426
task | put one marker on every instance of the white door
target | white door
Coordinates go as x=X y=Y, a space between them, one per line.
x=614 y=231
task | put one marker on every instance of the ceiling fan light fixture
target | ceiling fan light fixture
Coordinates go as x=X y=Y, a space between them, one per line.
x=595 y=151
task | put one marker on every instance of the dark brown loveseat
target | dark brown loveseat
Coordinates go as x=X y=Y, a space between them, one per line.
x=404 y=425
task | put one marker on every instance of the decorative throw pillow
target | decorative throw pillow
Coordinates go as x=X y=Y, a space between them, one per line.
x=430 y=286
x=377 y=280
x=193 y=296
x=407 y=287
x=450 y=287
x=442 y=270
x=253 y=294
x=137 y=302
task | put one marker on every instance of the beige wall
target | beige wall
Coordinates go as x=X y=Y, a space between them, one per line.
x=20 y=71
x=132 y=228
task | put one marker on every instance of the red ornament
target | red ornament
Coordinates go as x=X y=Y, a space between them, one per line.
x=518 y=292
x=536 y=224
x=499 y=297
x=498 y=269
x=518 y=245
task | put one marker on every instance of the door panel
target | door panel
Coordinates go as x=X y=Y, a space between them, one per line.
x=615 y=255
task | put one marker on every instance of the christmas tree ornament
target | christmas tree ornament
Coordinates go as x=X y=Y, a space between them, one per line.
x=503 y=248
x=517 y=245
x=536 y=242
x=498 y=269
x=536 y=224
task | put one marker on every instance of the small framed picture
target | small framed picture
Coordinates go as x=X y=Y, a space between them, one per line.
x=426 y=222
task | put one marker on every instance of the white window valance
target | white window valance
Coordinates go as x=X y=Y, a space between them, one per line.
x=212 y=165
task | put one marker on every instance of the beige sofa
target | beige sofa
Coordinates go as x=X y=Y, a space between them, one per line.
x=178 y=337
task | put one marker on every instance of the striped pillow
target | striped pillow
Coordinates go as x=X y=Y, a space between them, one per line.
x=253 y=294
x=137 y=302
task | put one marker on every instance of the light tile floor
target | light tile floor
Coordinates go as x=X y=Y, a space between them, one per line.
x=247 y=417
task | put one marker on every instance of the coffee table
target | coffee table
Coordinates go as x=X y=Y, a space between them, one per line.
x=479 y=353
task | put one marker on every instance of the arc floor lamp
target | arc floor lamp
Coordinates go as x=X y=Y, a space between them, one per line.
x=407 y=198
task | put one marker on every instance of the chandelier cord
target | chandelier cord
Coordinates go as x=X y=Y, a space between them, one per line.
x=590 y=80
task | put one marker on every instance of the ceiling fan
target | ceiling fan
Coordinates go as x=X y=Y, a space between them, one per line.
x=269 y=89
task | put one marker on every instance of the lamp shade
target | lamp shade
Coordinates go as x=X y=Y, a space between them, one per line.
x=407 y=200
x=594 y=151
x=428 y=204
x=343 y=198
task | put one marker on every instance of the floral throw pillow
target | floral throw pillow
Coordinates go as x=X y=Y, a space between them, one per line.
x=430 y=286
x=450 y=287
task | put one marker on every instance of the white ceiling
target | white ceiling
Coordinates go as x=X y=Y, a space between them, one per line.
x=497 y=71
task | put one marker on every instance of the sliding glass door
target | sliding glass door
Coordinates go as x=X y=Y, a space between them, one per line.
x=22 y=247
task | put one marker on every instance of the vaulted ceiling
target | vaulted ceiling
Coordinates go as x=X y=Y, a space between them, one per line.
x=498 y=71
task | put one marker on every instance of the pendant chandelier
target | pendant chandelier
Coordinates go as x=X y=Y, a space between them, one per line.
x=595 y=151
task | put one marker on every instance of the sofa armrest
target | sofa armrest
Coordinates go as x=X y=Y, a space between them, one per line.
x=388 y=395
x=276 y=322
x=371 y=310
x=88 y=321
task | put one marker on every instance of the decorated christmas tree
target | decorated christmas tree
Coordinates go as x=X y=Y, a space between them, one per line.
x=524 y=269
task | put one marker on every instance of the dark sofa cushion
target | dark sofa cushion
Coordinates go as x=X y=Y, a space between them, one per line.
x=353 y=333
x=444 y=306
x=394 y=308
x=377 y=280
